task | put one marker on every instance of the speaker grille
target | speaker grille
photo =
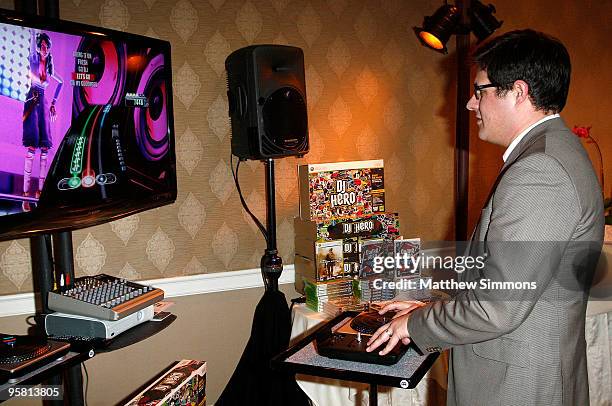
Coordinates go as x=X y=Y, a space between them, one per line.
x=285 y=122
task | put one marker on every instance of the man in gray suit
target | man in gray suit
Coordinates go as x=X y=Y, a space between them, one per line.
x=541 y=227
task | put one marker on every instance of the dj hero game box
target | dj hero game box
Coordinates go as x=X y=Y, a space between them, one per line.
x=310 y=235
x=341 y=189
x=384 y=225
x=183 y=384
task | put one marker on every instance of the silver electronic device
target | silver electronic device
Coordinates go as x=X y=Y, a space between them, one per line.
x=74 y=325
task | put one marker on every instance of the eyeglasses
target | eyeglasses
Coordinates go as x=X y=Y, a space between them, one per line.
x=478 y=89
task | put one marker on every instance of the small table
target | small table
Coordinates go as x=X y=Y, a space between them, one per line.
x=355 y=386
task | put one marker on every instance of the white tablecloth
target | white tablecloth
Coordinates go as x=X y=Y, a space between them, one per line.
x=598 y=332
x=325 y=391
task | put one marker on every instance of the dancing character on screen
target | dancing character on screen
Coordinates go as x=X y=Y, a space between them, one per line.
x=37 y=112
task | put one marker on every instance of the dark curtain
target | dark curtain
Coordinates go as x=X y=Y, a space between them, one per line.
x=253 y=381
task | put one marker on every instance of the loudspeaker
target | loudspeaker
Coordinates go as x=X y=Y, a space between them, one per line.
x=267 y=102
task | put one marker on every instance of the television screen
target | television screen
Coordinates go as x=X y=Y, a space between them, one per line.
x=86 y=127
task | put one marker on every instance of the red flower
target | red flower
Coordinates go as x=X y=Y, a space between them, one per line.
x=585 y=132
x=582 y=132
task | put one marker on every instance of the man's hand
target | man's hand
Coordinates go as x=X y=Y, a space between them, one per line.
x=396 y=330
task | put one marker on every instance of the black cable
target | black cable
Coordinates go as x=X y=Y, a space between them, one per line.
x=301 y=299
x=86 y=382
x=265 y=280
x=246 y=207
x=49 y=244
x=31 y=321
x=244 y=204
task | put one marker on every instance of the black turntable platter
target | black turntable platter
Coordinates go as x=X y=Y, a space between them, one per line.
x=369 y=321
x=16 y=349
x=21 y=354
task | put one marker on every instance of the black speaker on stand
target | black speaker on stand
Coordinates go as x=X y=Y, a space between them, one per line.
x=267 y=102
x=267 y=107
x=266 y=93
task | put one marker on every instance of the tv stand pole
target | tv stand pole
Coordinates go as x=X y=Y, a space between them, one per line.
x=63 y=255
x=43 y=272
x=48 y=264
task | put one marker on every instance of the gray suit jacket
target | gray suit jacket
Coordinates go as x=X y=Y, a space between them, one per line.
x=542 y=223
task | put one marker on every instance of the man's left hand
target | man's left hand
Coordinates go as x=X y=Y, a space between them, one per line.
x=396 y=330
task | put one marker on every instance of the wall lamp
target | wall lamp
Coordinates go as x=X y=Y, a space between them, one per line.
x=446 y=21
x=462 y=18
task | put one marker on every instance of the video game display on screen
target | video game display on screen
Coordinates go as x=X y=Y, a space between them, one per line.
x=84 y=119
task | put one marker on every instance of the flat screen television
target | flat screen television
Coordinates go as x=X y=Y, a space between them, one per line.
x=86 y=125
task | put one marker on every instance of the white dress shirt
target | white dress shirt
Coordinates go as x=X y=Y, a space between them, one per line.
x=522 y=135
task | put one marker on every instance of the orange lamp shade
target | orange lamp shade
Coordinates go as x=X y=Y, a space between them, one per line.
x=431 y=40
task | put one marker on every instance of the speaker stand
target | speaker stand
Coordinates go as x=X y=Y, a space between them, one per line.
x=271 y=263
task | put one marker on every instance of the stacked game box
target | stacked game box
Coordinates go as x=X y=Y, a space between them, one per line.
x=341 y=189
x=342 y=207
x=374 y=275
x=317 y=241
x=319 y=293
x=379 y=281
x=334 y=307
x=182 y=384
x=407 y=253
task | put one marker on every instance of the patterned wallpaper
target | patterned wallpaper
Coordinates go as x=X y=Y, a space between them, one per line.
x=372 y=92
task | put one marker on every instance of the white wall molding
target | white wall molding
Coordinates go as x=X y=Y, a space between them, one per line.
x=217 y=282
x=23 y=303
x=15 y=305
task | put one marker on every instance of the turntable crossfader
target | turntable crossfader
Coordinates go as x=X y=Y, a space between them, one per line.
x=350 y=340
x=22 y=354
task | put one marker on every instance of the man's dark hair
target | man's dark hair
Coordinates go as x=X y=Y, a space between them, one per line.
x=533 y=57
